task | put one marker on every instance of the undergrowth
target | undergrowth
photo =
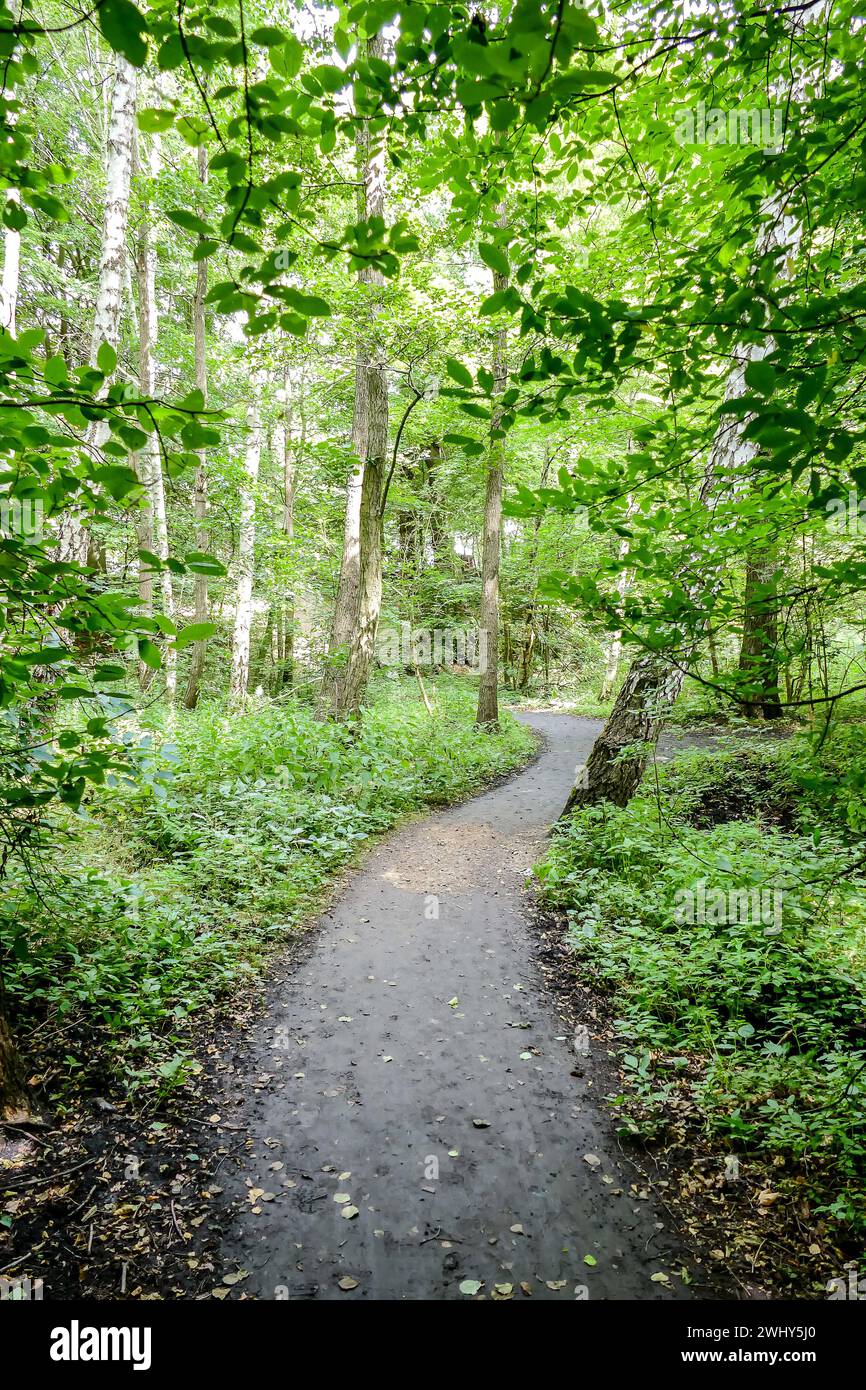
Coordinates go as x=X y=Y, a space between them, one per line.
x=743 y=1012
x=169 y=893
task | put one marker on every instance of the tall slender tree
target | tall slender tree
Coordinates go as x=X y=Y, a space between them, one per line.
x=240 y=668
x=199 y=328
x=154 y=521
x=72 y=540
x=359 y=592
x=488 y=698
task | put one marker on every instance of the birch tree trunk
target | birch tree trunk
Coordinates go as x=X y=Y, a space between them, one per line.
x=620 y=753
x=488 y=698
x=240 y=671
x=289 y=460
x=72 y=541
x=202 y=539
x=614 y=650
x=11 y=268
x=154 y=527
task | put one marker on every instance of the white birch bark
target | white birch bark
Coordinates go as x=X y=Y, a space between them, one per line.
x=240 y=672
x=154 y=531
x=109 y=296
x=11 y=267
x=196 y=667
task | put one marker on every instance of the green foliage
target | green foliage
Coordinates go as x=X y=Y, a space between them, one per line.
x=175 y=887
x=749 y=1021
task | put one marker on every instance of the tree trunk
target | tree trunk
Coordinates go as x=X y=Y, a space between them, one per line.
x=440 y=541
x=202 y=539
x=11 y=267
x=359 y=593
x=652 y=685
x=154 y=528
x=240 y=671
x=488 y=698
x=14 y=1102
x=363 y=641
x=371 y=203
x=759 y=660
x=614 y=650
x=72 y=541
x=287 y=612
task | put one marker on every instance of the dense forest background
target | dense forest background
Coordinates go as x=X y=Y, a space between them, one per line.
x=368 y=369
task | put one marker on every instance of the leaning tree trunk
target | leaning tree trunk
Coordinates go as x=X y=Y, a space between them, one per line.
x=759 y=657
x=196 y=666
x=371 y=203
x=240 y=669
x=620 y=753
x=488 y=697
x=72 y=544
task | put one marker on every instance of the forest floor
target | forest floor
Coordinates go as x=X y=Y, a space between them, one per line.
x=421 y=1125
x=406 y=1114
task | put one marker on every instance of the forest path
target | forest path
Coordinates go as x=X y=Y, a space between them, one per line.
x=364 y=1075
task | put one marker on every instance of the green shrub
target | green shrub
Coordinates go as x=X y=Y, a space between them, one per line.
x=171 y=890
x=757 y=1023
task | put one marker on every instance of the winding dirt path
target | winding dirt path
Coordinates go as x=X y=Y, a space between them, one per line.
x=414 y=1067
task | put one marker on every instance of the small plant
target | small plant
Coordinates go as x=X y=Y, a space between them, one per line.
x=733 y=953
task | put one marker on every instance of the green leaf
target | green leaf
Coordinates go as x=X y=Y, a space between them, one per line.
x=496 y=258
x=189 y=221
x=267 y=36
x=761 y=377
x=106 y=359
x=195 y=632
x=149 y=653
x=154 y=120
x=458 y=373
x=125 y=29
